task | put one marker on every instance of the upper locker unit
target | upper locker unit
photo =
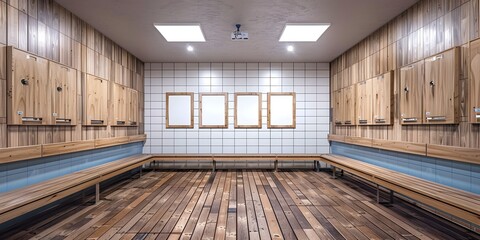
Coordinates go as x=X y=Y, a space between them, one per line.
x=411 y=101
x=96 y=101
x=349 y=105
x=28 y=100
x=475 y=82
x=364 y=102
x=338 y=107
x=382 y=96
x=63 y=86
x=441 y=93
x=120 y=102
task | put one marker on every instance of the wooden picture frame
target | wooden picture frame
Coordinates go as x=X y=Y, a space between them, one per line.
x=245 y=110
x=279 y=114
x=178 y=115
x=211 y=114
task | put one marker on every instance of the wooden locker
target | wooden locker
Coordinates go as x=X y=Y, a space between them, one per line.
x=63 y=86
x=441 y=93
x=338 y=107
x=475 y=82
x=412 y=78
x=96 y=101
x=382 y=96
x=349 y=105
x=120 y=106
x=133 y=108
x=29 y=99
x=364 y=102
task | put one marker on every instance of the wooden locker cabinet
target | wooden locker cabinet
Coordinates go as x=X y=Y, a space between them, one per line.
x=338 y=107
x=63 y=87
x=28 y=101
x=382 y=96
x=120 y=102
x=441 y=93
x=133 y=108
x=364 y=102
x=412 y=78
x=349 y=105
x=96 y=101
x=474 y=87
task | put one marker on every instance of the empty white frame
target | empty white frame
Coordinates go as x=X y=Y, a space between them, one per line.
x=248 y=110
x=179 y=110
x=213 y=110
x=281 y=110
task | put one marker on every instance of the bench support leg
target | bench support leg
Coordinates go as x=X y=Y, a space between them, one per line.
x=390 y=196
x=214 y=166
x=275 y=165
x=97 y=193
x=141 y=171
x=334 y=172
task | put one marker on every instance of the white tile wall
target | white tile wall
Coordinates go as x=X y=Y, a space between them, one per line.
x=309 y=80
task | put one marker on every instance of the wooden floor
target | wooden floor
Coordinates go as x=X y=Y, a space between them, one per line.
x=239 y=205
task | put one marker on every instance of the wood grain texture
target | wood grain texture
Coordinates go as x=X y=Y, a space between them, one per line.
x=66 y=147
x=474 y=87
x=411 y=93
x=469 y=155
x=20 y=153
x=364 y=103
x=399 y=146
x=382 y=97
x=96 y=101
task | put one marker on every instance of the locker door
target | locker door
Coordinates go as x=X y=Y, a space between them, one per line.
x=337 y=107
x=349 y=105
x=133 y=107
x=411 y=93
x=63 y=87
x=364 y=102
x=475 y=82
x=43 y=99
x=382 y=94
x=119 y=100
x=96 y=100
x=441 y=88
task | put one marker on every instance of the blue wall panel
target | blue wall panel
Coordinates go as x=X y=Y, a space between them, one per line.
x=24 y=173
x=460 y=175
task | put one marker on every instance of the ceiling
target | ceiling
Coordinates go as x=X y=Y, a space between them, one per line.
x=130 y=24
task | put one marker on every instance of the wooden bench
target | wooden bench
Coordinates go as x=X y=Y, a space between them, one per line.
x=461 y=204
x=215 y=158
x=18 y=202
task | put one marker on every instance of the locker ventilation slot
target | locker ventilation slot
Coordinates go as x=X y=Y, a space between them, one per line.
x=120 y=122
x=96 y=121
x=363 y=121
x=31 y=119
x=348 y=122
x=380 y=120
x=63 y=120
x=410 y=119
x=437 y=118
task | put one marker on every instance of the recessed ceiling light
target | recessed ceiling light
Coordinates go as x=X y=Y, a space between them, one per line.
x=303 y=32
x=181 y=32
x=190 y=48
x=290 y=48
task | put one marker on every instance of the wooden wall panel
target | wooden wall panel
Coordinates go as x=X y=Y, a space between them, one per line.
x=46 y=29
x=427 y=28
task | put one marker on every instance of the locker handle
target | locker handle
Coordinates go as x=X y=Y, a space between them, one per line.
x=63 y=120
x=348 y=122
x=31 y=57
x=96 y=121
x=406 y=89
x=410 y=119
x=432 y=83
x=24 y=81
x=31 y=119
x=477 y=116
x=437 y=57
x=66 y=68
x=338 y=122
x=133 y=123
x=437 y=118
x=120 y=122
x=380 y=120
x=363 y=121
x=59 y=89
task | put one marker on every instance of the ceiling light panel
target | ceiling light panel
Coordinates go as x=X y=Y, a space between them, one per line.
x=303 y=32
x=181 y=32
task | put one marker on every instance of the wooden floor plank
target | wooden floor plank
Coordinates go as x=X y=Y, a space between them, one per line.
x=239 y=204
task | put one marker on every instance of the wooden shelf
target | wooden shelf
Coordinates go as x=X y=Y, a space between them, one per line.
x=460 y=154
x=8 y=155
